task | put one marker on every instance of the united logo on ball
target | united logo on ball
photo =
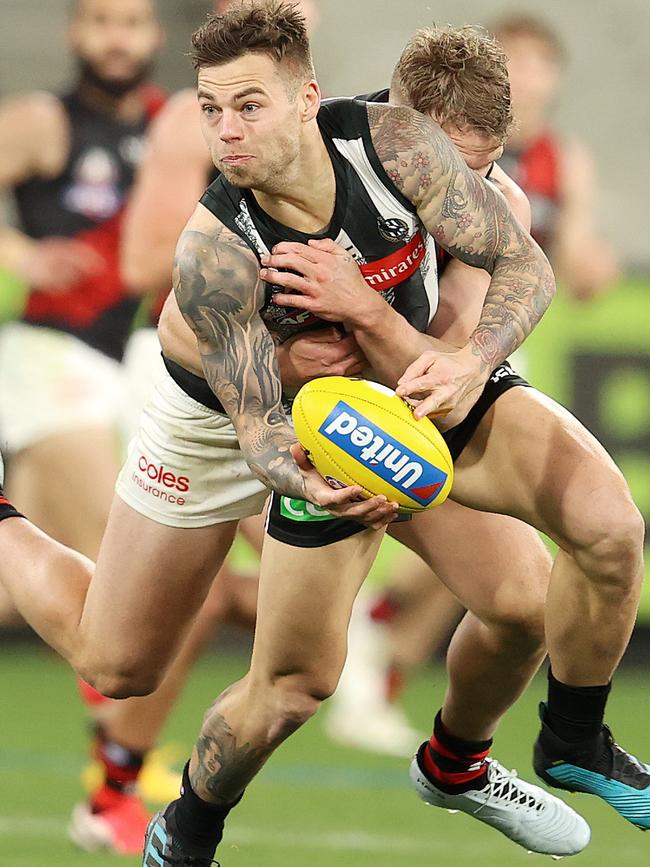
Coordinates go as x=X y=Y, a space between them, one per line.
x=360 y=432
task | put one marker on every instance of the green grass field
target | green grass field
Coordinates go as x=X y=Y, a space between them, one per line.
x=314 y=805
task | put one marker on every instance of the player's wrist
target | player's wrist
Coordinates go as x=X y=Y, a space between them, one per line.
x=367 y=317
x=483 y=350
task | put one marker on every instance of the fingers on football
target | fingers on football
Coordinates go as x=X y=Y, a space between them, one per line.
x=420 y=389
x=417 y=368
x=301 y=457
x=337 y=500
x=375 y=512
x=434 y=406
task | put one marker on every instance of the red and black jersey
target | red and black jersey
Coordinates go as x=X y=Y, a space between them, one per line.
x=536 y=170
x=372 y=220
x=86 y=202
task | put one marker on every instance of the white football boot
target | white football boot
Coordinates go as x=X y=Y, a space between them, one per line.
x=526 y=814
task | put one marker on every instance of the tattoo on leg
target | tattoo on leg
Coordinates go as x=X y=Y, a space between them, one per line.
x=224 y=767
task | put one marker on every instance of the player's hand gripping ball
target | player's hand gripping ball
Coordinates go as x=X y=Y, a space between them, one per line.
x=358 y=432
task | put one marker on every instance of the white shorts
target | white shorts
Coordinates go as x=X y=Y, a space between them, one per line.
x=184 y=467
x=52 y=383
x=141 y=365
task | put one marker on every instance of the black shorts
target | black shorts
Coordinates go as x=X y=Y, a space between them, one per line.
x=303 y=525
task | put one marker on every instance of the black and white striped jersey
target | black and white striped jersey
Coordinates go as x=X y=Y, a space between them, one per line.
x=371 y=219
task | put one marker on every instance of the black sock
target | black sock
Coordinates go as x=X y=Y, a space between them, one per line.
x=575 y=713
x=199 y=824
x=6 y=509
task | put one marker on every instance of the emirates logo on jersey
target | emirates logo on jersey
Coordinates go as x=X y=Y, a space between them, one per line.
x=399 y=266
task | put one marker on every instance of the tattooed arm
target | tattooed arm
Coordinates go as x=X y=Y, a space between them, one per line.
x=468 y=217
x=220 y=293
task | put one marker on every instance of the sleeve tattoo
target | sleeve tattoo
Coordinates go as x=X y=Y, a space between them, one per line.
x=219 y=292
x=472 y=221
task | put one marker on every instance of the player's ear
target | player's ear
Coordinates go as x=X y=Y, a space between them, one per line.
x=310 y=100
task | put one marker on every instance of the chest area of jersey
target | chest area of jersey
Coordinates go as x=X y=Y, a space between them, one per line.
x=100 y=171
x=395 y=256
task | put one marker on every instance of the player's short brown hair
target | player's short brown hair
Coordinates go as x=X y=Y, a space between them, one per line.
x=273 y=27
x=458 y=75
x=529 y=26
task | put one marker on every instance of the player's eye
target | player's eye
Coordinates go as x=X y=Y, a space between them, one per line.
x=208 y=109
x=250 y=107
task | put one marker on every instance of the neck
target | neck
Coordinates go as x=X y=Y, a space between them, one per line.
x=304 y=195
x=127 y=108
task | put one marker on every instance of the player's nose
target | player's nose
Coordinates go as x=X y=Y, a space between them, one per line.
x=230 y=128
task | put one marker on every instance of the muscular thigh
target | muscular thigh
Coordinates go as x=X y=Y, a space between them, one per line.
x=304 y=604
x=530 y=458
x=149 y=581
x=490 y=562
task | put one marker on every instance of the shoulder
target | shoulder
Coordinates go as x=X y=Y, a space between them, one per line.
x=39 y=111
x=343 y=117
x=210 y=257
x=34 y=114
x=38 y=122
x=204 y=231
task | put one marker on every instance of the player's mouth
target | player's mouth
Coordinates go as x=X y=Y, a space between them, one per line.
x=236 y=159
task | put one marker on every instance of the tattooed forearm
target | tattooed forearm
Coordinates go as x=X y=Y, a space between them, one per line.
x=521 y=288
x=219 y=292
x=471 y=219
x=223 y=768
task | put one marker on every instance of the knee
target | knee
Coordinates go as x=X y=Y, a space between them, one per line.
x=291 y=701
x=614 y=555
x=518 y=619
x=118 y=679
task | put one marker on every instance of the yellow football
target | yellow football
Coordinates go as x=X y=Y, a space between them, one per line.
x=359 y=432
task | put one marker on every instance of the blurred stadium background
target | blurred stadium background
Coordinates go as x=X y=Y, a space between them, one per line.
x=317 y=804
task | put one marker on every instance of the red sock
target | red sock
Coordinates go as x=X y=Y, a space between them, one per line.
x=452 y=764
x=121 y=767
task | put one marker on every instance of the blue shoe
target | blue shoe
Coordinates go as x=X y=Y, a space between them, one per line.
x=162 y=848
x=597 y=767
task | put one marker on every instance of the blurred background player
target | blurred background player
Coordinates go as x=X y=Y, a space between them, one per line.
x=69 y=163
x=555 y=170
